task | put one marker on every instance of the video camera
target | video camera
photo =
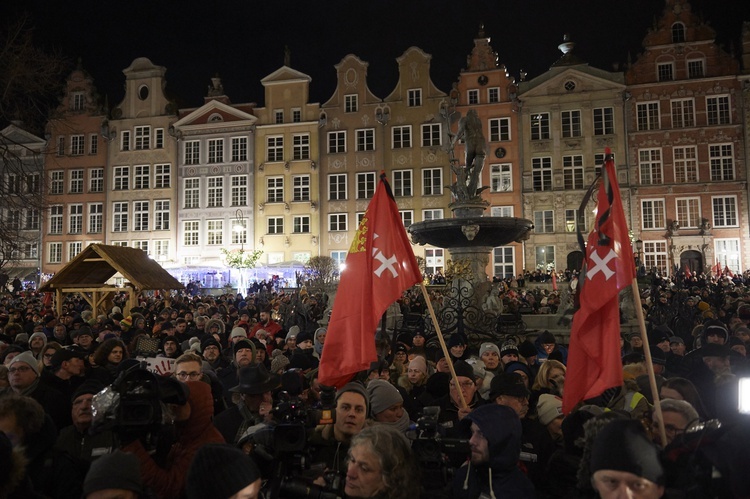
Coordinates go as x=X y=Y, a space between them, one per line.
x=135 y=405
x=438 y=456
x=291 y=457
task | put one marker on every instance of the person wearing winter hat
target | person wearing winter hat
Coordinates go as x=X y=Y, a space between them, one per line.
x=387 y=405
x=279 y=361
x=114 y=475
x=522 y=370
x=75 y=440
x=509 y=389
x=37 y=341
x=254 y=387
x=633 y=470
x=509 y=352
x=303 y=356
x=237 y=334
x=211 y=351
x=452 y=409
x=490 y=355
x=549 y=411
x=457 y=347
x=417 y=371
x=320 y=339
x=495 y=443
x=220 y=471
x=243 y=355
x=290 y=341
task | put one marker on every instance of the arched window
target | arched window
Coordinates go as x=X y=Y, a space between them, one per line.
x=678 y=33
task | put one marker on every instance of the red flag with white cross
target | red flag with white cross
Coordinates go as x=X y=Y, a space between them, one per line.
x=379 y=267
x=594 y=362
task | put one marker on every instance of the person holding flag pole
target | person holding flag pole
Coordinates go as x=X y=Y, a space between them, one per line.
x=594 y=362
x=380 y=266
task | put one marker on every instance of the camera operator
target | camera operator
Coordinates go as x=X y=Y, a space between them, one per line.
x=381 y=465
x=330 y=443
x=254 y=388
x=193 y=430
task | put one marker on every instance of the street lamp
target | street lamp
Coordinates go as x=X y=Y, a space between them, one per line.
x=638 y=249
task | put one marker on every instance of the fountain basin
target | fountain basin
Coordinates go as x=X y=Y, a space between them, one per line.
x=488 y=232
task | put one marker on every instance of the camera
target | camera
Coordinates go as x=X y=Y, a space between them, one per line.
x=437 y=455
x=291 y=457
x=135 y=405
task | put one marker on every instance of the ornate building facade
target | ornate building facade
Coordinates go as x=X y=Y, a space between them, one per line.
x=686 y=147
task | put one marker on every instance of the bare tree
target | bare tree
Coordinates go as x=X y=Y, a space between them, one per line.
x=321 y=273
x=30 y=84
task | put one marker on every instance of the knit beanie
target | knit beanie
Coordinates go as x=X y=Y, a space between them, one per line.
x=549 y=408
x=488 y=347
x=238 y=332
x=38 y=335
x=357 y=388
x=622 y=445
x=28 y=358
x=293 y=332
x=382 y=395
x=219 y=471
x=126 y=323
x=119 y=470
x=462 y=368
x=279 y=361
x=527 y=349
x=419 y=363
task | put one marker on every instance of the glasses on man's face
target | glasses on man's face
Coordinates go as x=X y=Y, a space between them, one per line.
x=669 y=429
x=464 y=384
x=19 y=369
x=193 y=376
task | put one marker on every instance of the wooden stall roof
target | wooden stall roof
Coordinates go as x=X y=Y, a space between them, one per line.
x=97 y=263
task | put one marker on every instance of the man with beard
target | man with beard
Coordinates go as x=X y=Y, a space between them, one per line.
x=495 y=448
x=266 y=323
x=244 y=355
x=211 y=350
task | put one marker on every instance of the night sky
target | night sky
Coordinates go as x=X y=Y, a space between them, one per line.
x=243 y=41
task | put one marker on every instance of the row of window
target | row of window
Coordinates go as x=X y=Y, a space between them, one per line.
x=214 y=232
x=141 y=139
x=75 y=145
x=157 y=249
x=402 y=184
x=142 y=217
x=683 y=113
x=213 y=196
x=570 y=123
x=27 y=219
x=142 y=177
x=544 y=221
x=19 y=184
x=723 y=211
x=214 y=150
x=573 y=171
x=76 y=181
x=685 y=161
x=665 y=71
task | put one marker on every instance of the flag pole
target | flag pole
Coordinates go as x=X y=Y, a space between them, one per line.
x=649 y=364
x=443 y=345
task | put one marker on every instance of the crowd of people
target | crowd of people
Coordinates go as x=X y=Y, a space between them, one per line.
x=237 y=379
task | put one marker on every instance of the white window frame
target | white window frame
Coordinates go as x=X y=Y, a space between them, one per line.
x=239 y=149
x=191 y=232
x=431 y=135
x=337 y=142
x=275 y=225
x=503 y=262
x=501 y=177
x=685 y=159
x=141 y=177
x=338 y=222
x=96 y=180
x=215 y=192
x=275 y=190
x=141 y=215
x=214 y=232
x=301 y=146
x=162 y=216
x=192 y=152
x=688 y=210
x=75 y=218
x=162 y=176
x=648 y=116
x=414 y=97
x=721 y=161
x=683 y=113
x=77 y=145
x=719 y=110
x=76 y=181
x=351 y=103
x=573 y=172
x=725 y=211
x=301 y=224
x=239 y=190
x=215 y=151
x=401 y=137
x=301 y=188
x=403 y=183
x=544 y=221
x=274 y=148
x=192 y=192
x=55 y=253
x=121 y=178
x=142 y=137
x=120 y=218
x=653 y=214
x=650 y=166
x=365 y=139
x=541 y=172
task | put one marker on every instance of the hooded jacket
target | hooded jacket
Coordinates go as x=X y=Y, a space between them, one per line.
x=500 y=476
x=192 y=434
